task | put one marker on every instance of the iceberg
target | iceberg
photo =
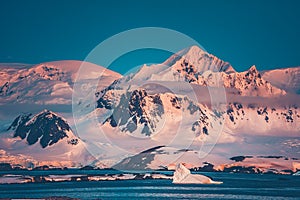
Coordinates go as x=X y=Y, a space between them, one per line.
x=297 y=173
x=183 y=175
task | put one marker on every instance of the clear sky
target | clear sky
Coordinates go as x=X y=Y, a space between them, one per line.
x=261 y=32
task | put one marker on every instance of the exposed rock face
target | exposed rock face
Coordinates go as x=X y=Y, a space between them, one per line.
x=134 y=108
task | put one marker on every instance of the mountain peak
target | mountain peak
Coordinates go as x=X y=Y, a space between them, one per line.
x=45 y=114
x=198 y=60
x=193 y=51
x=253 y=72
x=253 y=69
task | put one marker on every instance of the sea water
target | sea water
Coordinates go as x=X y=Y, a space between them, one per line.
x=235 y=186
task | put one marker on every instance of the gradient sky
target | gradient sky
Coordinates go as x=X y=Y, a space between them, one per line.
x=261 y=32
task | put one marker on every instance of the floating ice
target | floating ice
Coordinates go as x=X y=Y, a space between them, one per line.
x=183 y=175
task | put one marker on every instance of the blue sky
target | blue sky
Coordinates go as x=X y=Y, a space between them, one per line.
x=242 y=32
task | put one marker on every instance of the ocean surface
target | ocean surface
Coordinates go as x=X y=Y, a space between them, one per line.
x=235 y=186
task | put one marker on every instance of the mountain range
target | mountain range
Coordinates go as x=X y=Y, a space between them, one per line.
x=192 y=108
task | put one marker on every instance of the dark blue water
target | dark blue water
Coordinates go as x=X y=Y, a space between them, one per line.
x=235 y=186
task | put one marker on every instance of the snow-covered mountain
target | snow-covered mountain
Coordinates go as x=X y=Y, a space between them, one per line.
x=139 y=102
x=192 y=108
